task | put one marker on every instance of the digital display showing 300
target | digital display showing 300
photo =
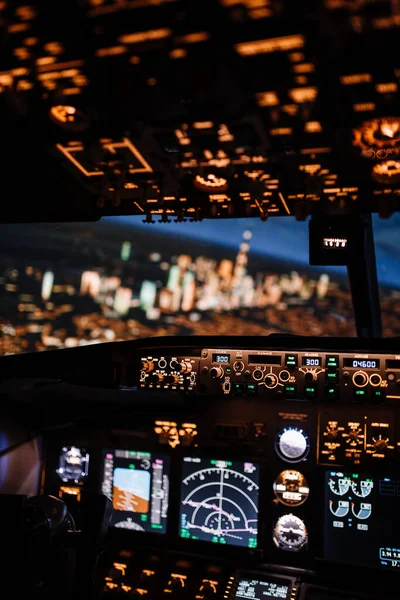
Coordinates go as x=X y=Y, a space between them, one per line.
x=219 y=501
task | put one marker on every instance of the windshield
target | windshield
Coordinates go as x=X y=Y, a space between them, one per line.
x=119 y=279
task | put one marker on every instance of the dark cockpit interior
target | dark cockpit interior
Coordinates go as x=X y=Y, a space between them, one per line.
x=179 y=418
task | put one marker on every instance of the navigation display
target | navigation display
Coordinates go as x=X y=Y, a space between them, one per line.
x=138 y=484
x=219 y=501
x=253 y=589
x=359 y=524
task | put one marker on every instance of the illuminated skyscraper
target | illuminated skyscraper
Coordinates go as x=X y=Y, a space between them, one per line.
x=90 y=283
x=122 y=302
x=148 y=294
x=47 y=285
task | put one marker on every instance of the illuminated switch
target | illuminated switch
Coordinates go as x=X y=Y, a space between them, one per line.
x=251 y=389
x=291 y=360
x=377 y=396
x=290 y=391
x=237 y=389
x=331 y=377
x=360 y=395
x=331 y=393
x=332 y=362
x=310 y=391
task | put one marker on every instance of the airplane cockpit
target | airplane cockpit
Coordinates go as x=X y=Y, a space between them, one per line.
x=200 y=299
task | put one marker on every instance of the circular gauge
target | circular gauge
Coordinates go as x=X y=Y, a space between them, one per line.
x=339 y=484
x=292 y=444
x=378 y=134
x=73 y=464
x=362 y=487
x=290 y=533
x=291 y=488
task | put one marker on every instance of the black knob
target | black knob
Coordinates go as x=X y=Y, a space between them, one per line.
x=284 y=375
x=360 y=378
x=156 y=378
x=271 y=380
x=216 y=372
x=375 y=379
x=258 y=374
x=175 y=365
x=309 y=377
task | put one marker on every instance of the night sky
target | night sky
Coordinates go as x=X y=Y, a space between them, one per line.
x=284 y=238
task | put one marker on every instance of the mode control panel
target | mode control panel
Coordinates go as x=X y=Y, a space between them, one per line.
x=318 y=376
x=301 y=375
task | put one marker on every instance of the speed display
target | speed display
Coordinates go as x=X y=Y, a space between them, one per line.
x=219 y=501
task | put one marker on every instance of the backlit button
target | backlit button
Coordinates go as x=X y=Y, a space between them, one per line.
x=291 y=360
x=331 y=393
x=332 y=362
x=290 y=391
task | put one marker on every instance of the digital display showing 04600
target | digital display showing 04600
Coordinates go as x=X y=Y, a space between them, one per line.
x=219 y=501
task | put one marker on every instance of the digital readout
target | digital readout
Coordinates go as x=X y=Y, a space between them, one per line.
x=221 y=358
x=362 y=363
x=311 y=361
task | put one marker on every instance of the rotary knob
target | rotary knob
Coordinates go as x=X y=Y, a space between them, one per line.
x=157 y=378
x=186 y=366
x=380 y=444
x=360 y=379
x=175 y=365
x=147 y=366
x=310 y=376
x=216 y=372
x=271 y=381
x=258 y=374
x=238 y=366
x=171 y=379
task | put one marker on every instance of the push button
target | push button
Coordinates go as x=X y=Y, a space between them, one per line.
x=291 y=360
x=237 y=389
x=332 y=362
x=310 y=391
x=331 y=393
x=290 y=391
x=250 y=389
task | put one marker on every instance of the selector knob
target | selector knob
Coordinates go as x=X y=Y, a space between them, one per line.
x=187 y=367
x=284 y=376
x=171 y=379
x=157 y=378
x=175 y=365
x=147 y=366
x=360 y=379
x=380 y=444
x=375 y=379
x=238 y=366
x=310 y=376
x=216 y=372
x=258 y=374
x=271 y=380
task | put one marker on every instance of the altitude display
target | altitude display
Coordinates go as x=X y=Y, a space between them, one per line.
x=219 y=501
x=73 y=464
x=290 y=533
x=254 y=589
x=361 y=363
x=291 y=488
x=359 y=523
x=138 y=484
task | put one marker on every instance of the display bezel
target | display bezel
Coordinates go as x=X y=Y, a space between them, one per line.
x=209 y=457
x=348 y=363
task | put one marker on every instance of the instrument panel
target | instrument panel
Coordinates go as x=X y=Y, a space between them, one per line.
x=229 y=481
